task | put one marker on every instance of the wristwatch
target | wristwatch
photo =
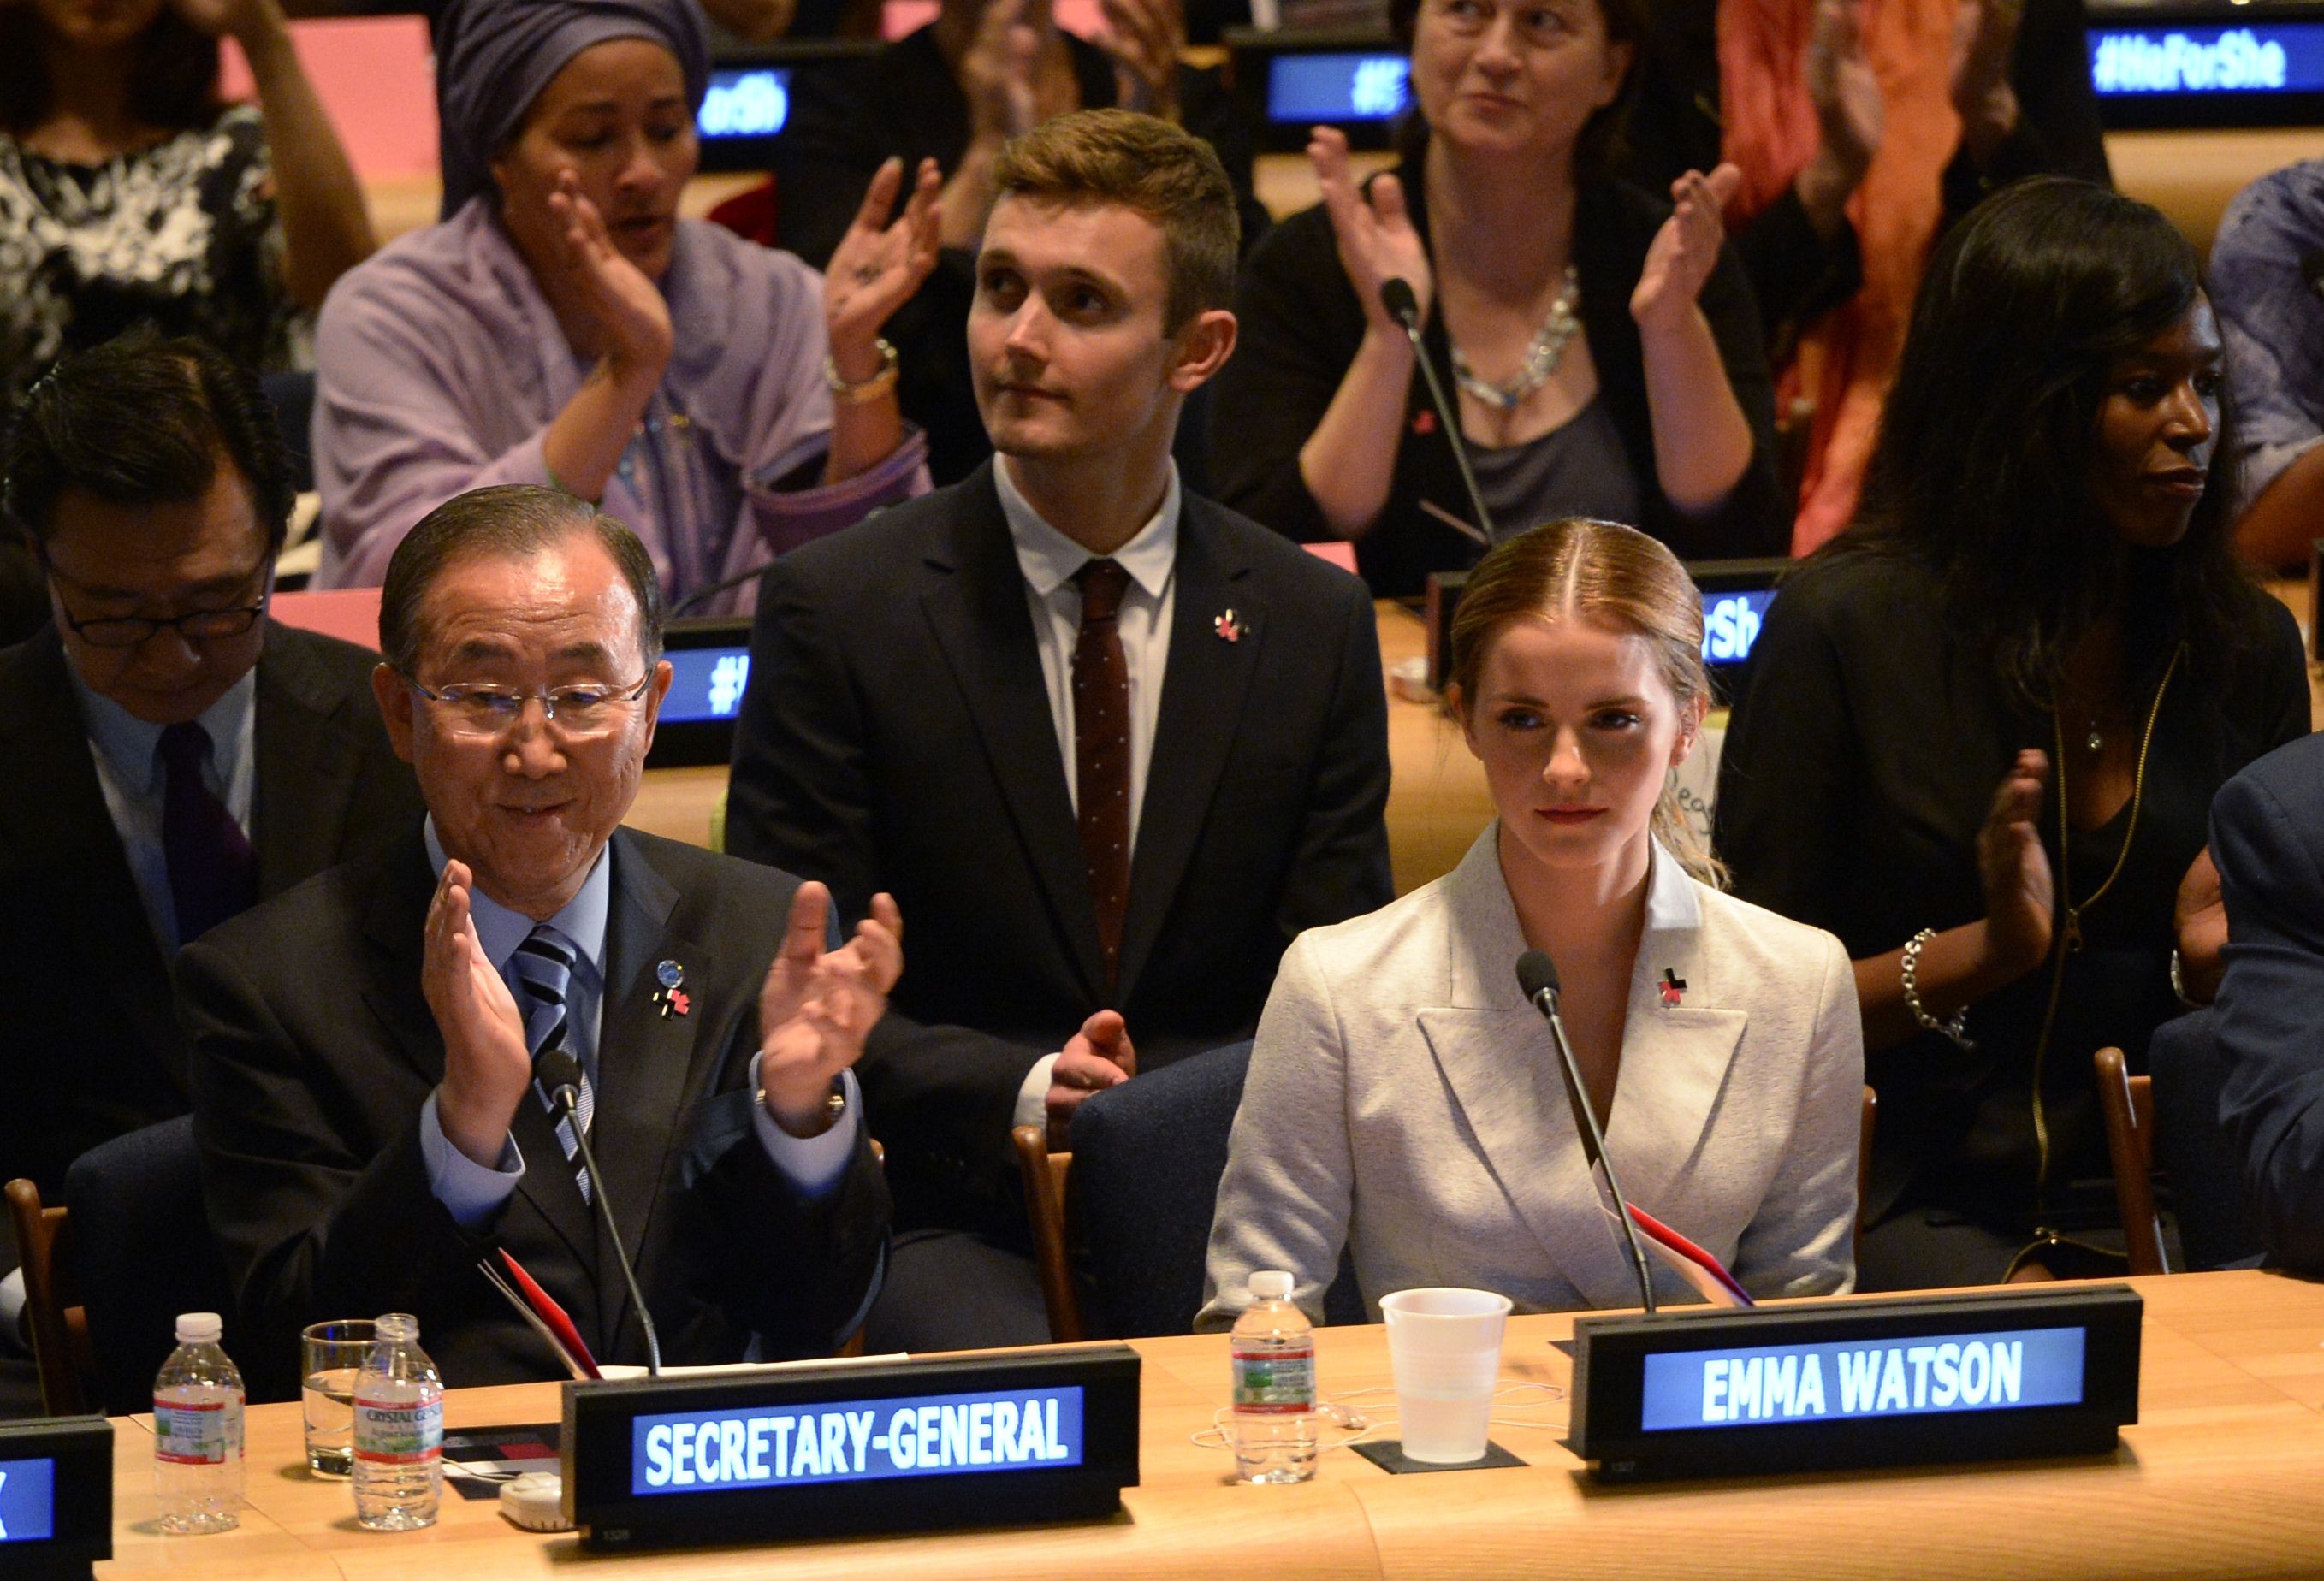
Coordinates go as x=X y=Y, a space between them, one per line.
x=834 y=1105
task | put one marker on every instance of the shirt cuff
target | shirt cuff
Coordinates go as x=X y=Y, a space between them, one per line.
x=470 y=1192
x=815 y=1165
x=1033 y=1097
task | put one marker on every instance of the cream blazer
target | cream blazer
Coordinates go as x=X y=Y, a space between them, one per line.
x=1404 y=1101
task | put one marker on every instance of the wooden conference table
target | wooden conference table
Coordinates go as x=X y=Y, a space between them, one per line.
x=2222 y=1475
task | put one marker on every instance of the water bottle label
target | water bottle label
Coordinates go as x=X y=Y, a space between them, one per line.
x=398 y=1432
x=1273 y=1381
x=189 y=1432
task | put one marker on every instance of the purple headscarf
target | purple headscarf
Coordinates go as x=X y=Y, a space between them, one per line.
x=493 y=58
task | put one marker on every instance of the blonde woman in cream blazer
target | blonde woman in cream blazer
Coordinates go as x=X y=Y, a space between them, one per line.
x=1404 y=1101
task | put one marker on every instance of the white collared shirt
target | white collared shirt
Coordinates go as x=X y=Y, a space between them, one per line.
x=1049 y=561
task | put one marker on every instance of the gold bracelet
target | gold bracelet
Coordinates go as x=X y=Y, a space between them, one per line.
x=871 y=389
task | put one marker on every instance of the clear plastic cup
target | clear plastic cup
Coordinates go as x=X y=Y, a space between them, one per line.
x=1445 y=1345
x=332 y=1354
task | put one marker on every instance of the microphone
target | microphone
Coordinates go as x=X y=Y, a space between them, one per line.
x=1395 y=295
x=1537 y=976
x=702 y=595
x=559 y=1075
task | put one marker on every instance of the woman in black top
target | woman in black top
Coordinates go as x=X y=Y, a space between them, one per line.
x=1601 y=347
x=2039 y=594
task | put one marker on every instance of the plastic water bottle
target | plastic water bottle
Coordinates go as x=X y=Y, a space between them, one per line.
x=1273 y=1348
x=197 y=1431
x=399 y=1431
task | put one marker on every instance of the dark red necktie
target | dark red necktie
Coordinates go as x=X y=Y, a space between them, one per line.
x=1101 y=749
x=213 y=872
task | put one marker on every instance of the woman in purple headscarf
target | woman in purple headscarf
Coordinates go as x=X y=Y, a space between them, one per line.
x=564 y=326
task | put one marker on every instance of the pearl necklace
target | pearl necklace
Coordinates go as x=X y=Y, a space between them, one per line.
x=1542 y=354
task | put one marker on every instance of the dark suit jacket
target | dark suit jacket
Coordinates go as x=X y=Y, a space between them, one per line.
x=896 y=736
x=313 y=1052
x=2267 y=837
x=89 y=1048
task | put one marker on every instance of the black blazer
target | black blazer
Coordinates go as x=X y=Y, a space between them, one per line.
x=1301 y=327
x=313 y=1052
x=89 y=1048
x=896 y=736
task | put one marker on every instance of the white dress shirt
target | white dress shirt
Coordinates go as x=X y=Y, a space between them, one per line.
x=1049 y=561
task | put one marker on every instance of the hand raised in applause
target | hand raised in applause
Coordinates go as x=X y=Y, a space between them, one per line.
x=1849 y=111
x=1000 y=71
x=1685 y=251
x=1145 y=38
x=486 y=1065
x=817 y=1005
x=629 y=308
x=1374 y=232
x=1984 y=44
x=1099 y=1056
x=878 y=265
x=2014 y=866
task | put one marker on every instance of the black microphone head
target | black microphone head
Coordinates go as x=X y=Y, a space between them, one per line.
x=1395 y=295
x=556 y=1068
x=1537 y=974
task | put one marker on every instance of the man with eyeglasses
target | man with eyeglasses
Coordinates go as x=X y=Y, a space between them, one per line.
x=171 y=755
x=369 y=1093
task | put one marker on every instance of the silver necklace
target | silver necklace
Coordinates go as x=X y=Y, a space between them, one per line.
x=1542 y=354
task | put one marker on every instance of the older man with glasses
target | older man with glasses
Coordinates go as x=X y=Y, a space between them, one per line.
x=373 y=1054
x=171 y=755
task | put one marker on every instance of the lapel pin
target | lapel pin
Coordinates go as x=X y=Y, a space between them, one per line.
x=1674 y=988
x=672 y=998
x=1225 y=626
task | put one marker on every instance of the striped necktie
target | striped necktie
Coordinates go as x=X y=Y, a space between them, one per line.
x=543 y=964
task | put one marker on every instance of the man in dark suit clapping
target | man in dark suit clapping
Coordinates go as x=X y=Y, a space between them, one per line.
x=1111 y=745
x=365 y=1047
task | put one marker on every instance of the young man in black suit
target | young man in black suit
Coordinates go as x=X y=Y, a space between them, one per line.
x=365 y=1047
x=1111 y=745
x=173 y=756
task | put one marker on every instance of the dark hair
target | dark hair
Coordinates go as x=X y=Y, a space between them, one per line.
x=144 y=420
x=173 y=79
x=1581 y=569
x=510 y=521
x=1981 y=467
x=1171 y=177
x=1601 y=149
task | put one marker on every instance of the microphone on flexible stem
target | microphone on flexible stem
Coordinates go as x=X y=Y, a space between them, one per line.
x=1537 y=976
x=1395 y=295
x=559 y=1075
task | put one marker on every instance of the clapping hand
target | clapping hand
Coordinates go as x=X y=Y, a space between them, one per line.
x=1685 y=251
x=1850 y=111
x=878 y=265
x=2020 y=894
x=627 y=305
x=1145 y=38
x=997 y=71
x=1984 y=42
x=1375 y=234
x=1099 y=1056
x=486 y=1064
x=817 y=1005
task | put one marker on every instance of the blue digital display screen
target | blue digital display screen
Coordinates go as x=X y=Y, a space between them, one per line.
x=2234 y=59
x=862 y=1440
x=28 y=1500
x=707 y=683
x=1305 y=89
x=1731 y=624
x=1936 y=1375
x=752 y=102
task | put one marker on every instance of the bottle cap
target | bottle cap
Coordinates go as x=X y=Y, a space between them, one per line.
x=1270 y=1286
x=200 y=1328
x=396 y=1325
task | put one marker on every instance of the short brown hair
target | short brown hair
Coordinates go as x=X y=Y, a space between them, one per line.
x=514 y=521
x=1594 y=570
x=1168 y=175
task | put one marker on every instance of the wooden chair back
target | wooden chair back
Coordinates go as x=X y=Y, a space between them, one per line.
x=1044 y=1174
x=53 y=1305
x=2128 y=1104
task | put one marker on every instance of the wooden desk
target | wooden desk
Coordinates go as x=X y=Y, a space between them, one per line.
x=2222 y=1475
x=1436 y=800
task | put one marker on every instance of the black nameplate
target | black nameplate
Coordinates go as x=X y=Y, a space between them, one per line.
x=1914 y=1381
x=56 y=1495
x=849 y=1450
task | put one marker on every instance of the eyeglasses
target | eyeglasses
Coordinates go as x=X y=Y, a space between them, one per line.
x=136 y=630
x=485 y=713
